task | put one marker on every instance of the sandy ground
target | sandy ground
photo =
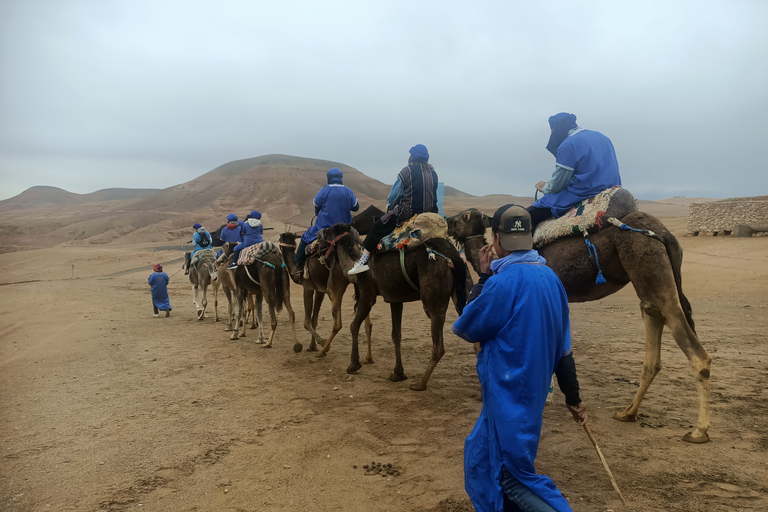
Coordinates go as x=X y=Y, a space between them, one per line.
x=103 y=407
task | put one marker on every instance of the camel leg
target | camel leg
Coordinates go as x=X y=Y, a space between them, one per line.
x=316 y=338
x=368 y=330
x=311 y=307
x=654 y=325
x=438 y=349
x=272 y=323
x=336 y=299
x=297 y=346
x=204 y=301
x=228 y=293
x=236 y=333
x=700 y=362
x=259 y=299
x=363 y=309
x=194 y=297
x=396 y=309
x=216 y=301
x=252 y=308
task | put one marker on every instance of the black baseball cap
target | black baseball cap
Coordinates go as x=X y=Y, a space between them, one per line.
x=513 y=224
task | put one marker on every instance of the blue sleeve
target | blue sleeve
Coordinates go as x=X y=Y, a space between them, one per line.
x=559 y=180
x=485 y=316
x=395 y=194
x=320 y=199
x=150 y=279
x=353 y=200
x=196 y=238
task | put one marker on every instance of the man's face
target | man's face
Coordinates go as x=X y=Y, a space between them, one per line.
x=497 y=249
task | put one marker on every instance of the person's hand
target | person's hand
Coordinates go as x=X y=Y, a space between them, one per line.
x=579 y=413
x=540 y=186
x=486 y=257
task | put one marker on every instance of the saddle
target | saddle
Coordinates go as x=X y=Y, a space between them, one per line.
x=588 y=216
x=255 y=252
x=416 y=230
x=199 y=255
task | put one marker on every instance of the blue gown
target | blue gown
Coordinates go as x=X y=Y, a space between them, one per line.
x=591 y=156
x=333 y=204
x=521 y=319
x=159 y=287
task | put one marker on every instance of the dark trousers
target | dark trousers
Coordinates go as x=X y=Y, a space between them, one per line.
x=155 y=308
x=378 y=231
x=518 y=497
x=538 y=215
x=301 y=255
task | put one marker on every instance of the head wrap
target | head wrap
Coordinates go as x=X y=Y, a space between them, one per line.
x=419 y=153
x=232 y=217
x=158 y=268
x=232 y=225
x=197 y=226
x=335 y=175
x=254 y=215
x=560 y=124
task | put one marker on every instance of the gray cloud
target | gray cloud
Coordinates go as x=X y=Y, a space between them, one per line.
x=98 y=94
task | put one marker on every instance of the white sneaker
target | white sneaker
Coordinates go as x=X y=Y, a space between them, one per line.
x=156 y=315
x=359 y=268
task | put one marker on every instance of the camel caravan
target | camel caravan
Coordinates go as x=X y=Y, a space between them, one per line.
x=411 y=253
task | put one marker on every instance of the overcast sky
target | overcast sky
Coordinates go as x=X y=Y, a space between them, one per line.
x=148 y=94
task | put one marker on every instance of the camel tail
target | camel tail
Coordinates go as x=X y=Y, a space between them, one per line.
x=278 y=290
x=675 y=254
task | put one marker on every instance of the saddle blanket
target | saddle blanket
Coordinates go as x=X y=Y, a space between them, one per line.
x=419 y=228
x=256 y=251
x=588 y=216
x=200 y=253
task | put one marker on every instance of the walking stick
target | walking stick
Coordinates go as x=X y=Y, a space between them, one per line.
x=605 y=464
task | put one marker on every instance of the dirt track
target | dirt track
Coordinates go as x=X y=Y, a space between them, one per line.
x=106 y=408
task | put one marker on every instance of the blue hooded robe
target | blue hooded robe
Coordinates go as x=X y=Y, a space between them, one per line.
x=521 y=319
x=333 y=204
x=591 y=157
x=158 y=282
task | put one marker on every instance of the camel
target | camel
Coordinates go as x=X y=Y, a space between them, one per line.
x=226 y=279
x=265 y=277
x=363 y=221
x=202 y=273
x=438 y=275
x=324 y=276
x=652 y=266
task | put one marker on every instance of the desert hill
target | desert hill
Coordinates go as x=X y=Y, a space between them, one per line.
x=42 y=196
x=281 y=187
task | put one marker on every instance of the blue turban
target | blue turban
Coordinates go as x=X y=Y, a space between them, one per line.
x=254 y=215
x=335 y=175
x=197 y=226
x=561 y=124
x=419 y=153
x=232 y=217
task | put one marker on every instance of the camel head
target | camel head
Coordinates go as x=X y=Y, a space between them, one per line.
x=469 y=223
x=228 y=247
x=288 y=238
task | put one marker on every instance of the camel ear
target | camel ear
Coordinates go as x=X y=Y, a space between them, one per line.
x=486 y=221
x=466 y=216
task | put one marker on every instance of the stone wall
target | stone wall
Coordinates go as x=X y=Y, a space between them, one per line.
x=721 y=217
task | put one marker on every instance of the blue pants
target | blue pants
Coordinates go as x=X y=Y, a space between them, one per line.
x=300 y=255
x=518 y=497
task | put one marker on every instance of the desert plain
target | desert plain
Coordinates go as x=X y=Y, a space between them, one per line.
x=104 y=407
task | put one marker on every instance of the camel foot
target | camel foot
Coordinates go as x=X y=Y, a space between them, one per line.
x=623 y=416
x=418 y=386
x=696 y=437
x=267 y=346
x=297 y=347
x=397 y=377
x=199 y=314
x=368 y=360
x=228 y=328
x=254 y=327
x=234 y=336
x=312 y=347
x=216 y=320
x=353 y=367
x=321 y=354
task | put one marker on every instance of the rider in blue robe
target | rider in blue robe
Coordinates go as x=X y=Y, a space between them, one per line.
x=585 y=165
x=333 y=204
x=252 y=231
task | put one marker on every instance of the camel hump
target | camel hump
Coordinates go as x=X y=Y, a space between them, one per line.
x=418 y=229
x=587 y=216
